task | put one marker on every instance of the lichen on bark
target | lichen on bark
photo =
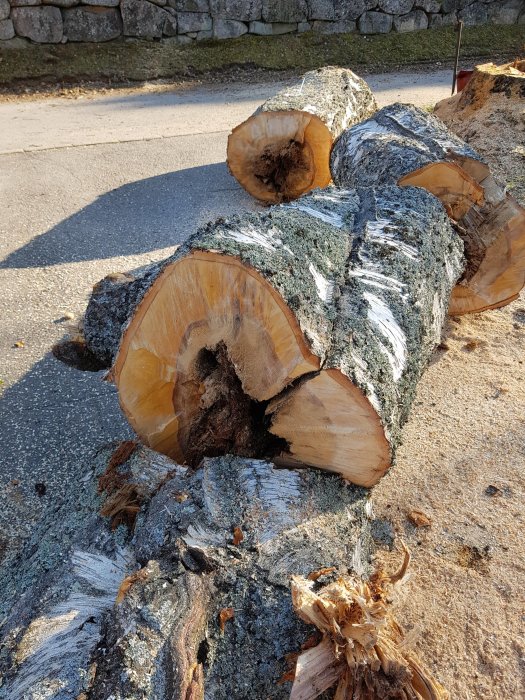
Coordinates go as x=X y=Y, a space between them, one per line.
x=339 y=97
x=157 y=632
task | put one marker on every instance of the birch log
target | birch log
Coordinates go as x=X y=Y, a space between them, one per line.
x=297 y=335
x=93 y=613
x=404 y=145
x=283 y=150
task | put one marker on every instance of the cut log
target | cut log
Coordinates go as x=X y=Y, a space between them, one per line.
x=283 y=150
x=298 y=335
x=403 y=144
x=92 y=612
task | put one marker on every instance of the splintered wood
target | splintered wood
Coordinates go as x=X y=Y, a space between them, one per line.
x=362 y=650
x=404 y=145
x=283 y=150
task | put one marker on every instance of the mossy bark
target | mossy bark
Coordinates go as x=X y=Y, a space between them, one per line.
x=389 y=311
x=95 y=613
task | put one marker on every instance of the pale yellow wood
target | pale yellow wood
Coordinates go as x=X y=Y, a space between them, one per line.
x=451 y=184
x=484 y=211
x=501 y=275
x=329 y=423
x=198 y=302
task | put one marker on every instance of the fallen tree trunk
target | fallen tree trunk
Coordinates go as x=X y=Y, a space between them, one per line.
x=192 y=599
x=404 y=145
x=298 y=335
x=283 y=150
x=196 y=596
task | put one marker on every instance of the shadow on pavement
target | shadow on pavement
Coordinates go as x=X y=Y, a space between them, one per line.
x=139 y=217
x=51 y=423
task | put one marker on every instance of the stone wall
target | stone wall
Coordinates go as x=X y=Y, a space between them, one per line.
x=185 y=21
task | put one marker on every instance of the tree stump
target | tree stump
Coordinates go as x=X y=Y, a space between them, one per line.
x=283 y=150
x=487 y=81
x=404 y=145
x=298 y=335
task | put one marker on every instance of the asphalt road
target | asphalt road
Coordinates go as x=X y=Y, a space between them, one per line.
x=89 y=186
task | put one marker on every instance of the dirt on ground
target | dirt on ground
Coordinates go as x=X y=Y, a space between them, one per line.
x=456 y=494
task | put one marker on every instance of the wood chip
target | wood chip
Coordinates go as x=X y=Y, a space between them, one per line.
x=238 y=536
x=127 y=582
x=314 y=575
x=473 y=344
x=419 y=519
x=225 y=615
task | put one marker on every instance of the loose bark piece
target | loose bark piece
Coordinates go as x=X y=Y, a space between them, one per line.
x=299 y=334
x=403 y=144
x=135 y=616
x=283 y=150
x=362 y=649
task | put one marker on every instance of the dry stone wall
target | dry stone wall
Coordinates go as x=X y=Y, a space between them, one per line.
x=185 y=21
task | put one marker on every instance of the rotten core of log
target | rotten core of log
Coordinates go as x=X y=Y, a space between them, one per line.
x=228 y=420
x=297 y=335
x=195 y=599
x=404 y=145
x=283 y=150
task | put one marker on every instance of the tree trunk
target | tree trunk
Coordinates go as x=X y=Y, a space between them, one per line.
x=404 y=145
x=195 y=598
x=283 y=150
x=297 y=335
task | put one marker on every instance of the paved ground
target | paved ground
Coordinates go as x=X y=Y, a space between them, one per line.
x=89 y=186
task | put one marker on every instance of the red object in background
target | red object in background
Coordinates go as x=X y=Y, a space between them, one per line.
x=462 y=79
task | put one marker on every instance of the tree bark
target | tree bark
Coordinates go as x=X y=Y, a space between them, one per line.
x=283 y=149
x=196 y=599
x=404 y=145
x=298 y=335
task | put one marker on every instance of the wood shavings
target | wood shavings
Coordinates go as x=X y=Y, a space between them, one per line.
x=140 y=575
x=419 y=519
x=314 y=575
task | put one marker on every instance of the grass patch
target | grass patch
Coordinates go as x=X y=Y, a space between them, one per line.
x=124 y=61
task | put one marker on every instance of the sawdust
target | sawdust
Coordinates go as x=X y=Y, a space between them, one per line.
x=462 y=464
x=495 y=126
